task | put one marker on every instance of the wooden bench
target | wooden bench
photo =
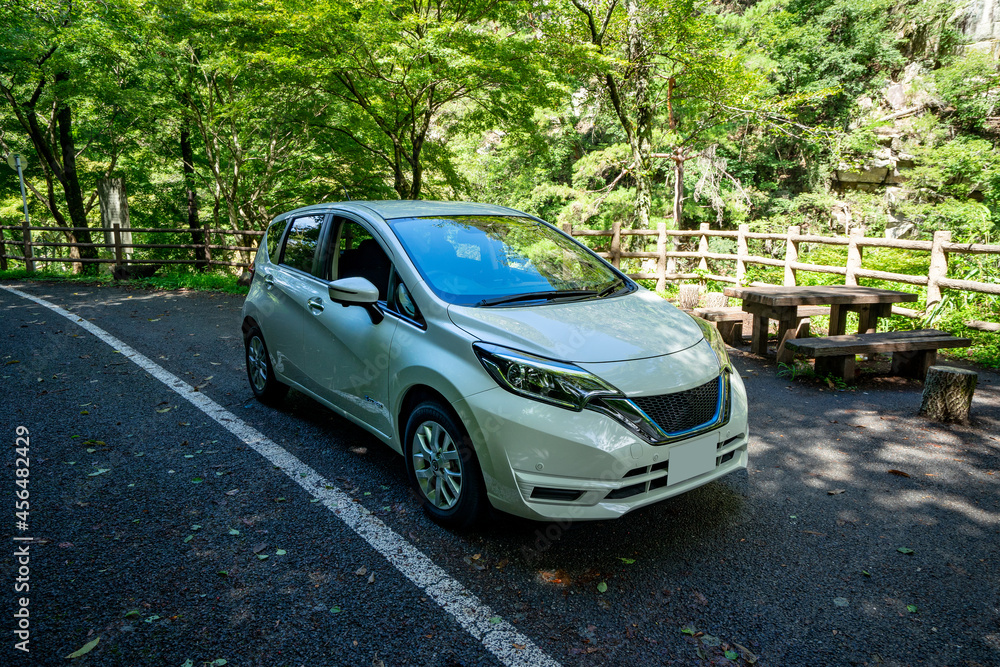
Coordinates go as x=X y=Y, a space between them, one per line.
x=913 y=352
x=729 y=320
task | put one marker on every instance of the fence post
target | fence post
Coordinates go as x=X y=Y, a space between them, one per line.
x=616 y=244
x=3 y=252
x=854 y=253
x=661 y=256
x=703 y=247
x=938 y=268
x=29 y=262
x=791 y=254
x=118 y=244
x=568 y=228
x=742 y=252
x=671 y=261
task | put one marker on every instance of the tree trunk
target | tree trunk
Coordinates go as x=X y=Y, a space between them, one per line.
x=641 y=139
x=948 y=393
x=202 y=253
x=114 y=211
x=71 y=183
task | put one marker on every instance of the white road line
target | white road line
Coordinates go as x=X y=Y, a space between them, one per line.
x=496 y=634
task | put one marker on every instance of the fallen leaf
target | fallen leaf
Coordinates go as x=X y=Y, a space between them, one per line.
x=361 y=571
x=904 y=550
x=232 y=492
x=749 y=656
x=912 y=608
x=627 y=561
x=900 y=473
x=519 y=647
x=280 y=552
x=835 y=492
x=602 y=587
x=371 y=579
x=814 y=532
x=100 y=471
x=83 y=650
x=259 y=547
x=233 y=531
x=263 y=556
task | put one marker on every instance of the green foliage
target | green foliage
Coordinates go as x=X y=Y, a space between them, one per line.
x=177 y=279
x=971 y=85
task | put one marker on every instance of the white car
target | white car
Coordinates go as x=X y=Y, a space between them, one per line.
x=506 y=362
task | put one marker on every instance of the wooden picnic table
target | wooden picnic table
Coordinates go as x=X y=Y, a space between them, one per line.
x=782 y=302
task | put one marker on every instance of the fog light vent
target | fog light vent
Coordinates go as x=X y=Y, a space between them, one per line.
x=626 y=492
x=546 y=493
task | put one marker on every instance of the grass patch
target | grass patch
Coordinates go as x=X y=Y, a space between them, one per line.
x=212 y=282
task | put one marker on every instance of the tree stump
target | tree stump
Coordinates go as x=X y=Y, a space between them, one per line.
x=716 y=300
x=688 y=297
x=948 y=393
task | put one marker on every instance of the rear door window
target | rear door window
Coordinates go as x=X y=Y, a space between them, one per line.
x=302 y=243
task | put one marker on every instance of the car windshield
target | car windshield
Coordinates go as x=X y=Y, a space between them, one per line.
x=496 y=260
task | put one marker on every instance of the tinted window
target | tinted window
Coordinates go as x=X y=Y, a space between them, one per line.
x=274 y=233
x=360 y=255
x=303 y=239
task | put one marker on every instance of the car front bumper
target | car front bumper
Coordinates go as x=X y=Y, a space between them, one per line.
x=543 y=462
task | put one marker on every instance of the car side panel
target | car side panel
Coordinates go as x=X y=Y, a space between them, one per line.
x=347 y=357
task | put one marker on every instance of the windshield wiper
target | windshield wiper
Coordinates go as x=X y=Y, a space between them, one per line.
x=550 y=295
x=612 y=289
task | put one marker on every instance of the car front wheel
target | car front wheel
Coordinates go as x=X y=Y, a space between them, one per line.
x=265 y=386
x=443 y=468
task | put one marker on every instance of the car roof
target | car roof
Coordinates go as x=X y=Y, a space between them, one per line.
x=406 y=208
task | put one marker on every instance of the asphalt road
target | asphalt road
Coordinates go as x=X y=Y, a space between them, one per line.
x=149 y=520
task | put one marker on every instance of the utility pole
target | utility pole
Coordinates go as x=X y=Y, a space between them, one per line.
x=16 y=161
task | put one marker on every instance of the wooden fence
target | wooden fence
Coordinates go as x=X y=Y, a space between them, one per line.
x=118 y=251
x=665 y=254
x=666 y=257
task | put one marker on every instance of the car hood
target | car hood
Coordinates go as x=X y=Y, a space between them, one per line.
x=634 y=326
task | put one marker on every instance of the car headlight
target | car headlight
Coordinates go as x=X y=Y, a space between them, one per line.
x=571 y=387
x=545 y=380
x=714 y=339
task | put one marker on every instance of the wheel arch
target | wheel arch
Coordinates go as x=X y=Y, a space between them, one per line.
x=419 y=393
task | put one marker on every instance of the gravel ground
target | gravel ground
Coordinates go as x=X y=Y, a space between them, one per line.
x=137 y=499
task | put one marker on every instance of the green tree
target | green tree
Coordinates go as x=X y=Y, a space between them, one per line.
x=399 y=76
x=61 y=63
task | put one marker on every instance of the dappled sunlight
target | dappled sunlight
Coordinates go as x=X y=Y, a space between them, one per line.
x=916 y=500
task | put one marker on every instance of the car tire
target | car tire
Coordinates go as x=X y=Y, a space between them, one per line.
x=260 y=374
x=443 y=468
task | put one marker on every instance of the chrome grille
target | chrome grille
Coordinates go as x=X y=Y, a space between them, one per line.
x=682 y=410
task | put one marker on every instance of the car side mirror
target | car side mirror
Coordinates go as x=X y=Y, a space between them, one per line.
x=357 y=291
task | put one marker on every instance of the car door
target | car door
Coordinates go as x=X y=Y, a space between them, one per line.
x=347 y=353
x=291 y=285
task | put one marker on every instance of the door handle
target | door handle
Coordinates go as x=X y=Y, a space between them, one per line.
x=268 y=280
x=315 y=304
